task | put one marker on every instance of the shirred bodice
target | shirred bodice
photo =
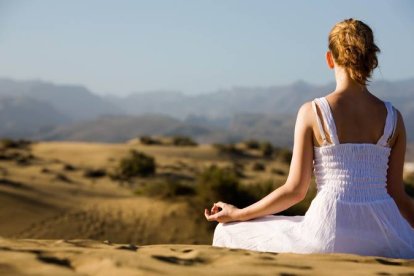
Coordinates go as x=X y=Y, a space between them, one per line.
x=354 y=172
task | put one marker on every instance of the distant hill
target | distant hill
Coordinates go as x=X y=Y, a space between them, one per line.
x=23 y=116
x=73 y=101
x=72 y=112
x=120 y=128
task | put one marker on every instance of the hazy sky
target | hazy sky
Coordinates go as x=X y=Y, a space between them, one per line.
x=119 y=46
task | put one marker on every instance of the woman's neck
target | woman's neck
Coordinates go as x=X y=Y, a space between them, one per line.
x=345 y=83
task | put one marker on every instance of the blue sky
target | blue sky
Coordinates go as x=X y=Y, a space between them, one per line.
x=119 y=47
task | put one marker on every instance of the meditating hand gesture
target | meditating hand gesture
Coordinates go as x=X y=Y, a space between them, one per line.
x=222 y=212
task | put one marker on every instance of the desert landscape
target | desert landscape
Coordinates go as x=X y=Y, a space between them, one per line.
x=136 y=208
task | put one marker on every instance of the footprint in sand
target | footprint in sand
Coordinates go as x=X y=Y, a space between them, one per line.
x=179 y=261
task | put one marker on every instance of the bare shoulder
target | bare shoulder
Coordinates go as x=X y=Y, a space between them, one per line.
x=399 y=131
x=305 y=114
x=305 y=109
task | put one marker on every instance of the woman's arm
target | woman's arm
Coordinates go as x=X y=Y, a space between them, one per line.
x=395 y=184
x=296 y=186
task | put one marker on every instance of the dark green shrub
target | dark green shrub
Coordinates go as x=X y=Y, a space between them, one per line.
x=148 y=140
x=183 y=141
x=69 y=167
x=284 y=155
x=228 y=149
x=136 y=163
x=258 y=190
x=258 y=166
x=278 y=171
x=266 y=148
x=252 y=144
x=165 y=189
x=238 y=169
x=6 y=143
x=221 y=184
x=62 y=177
x=23 y=159
x=94 y=173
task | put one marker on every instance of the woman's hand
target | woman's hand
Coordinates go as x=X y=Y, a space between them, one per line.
x=227 y=213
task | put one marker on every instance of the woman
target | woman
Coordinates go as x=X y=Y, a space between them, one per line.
x=355 y=145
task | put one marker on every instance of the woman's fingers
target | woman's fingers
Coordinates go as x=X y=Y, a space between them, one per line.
x=211 y=217
x=207 y=214
x=220 y=204
x=215 y=208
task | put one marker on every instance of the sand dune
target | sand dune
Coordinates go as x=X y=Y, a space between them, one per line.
x=87 y=257
x=55 y=219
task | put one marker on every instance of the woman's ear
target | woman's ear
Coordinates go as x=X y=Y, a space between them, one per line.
x=329 y=60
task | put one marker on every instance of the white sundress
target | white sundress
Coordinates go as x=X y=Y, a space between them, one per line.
x=351 y=212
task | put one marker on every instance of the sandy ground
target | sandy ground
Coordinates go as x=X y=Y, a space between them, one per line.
x=54 y=221
x=87 y=257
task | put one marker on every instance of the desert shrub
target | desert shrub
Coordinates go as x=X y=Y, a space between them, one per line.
x=228 y=149
x=62 y=177
x=148 y=140
x=284 y=155
x=180 y=140
x=69 y=167
x=94 y=173
x=258 y=190
x=278 y=171
x=221 y=184
x=6 y=143
x=258 y=166
x=45 y=170
x=165 y=189
x=23 y=159
x=238 y=168
x=136 y=163
x=252 y=144
x=266 y=148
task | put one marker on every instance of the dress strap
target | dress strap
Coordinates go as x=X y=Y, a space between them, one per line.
x=390 y=125
x=318 y=120
x=327 y=114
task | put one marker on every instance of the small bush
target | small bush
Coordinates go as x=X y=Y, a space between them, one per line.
x=94 y=173
x=258 y=190
x=258 y=166
x=238 y=168
x=228 y=149
x=165 y=189
x=45 y=170
x=68 y=167
x=183 y=141
x=266 y=148
x=148 y=140
x=252 y=144
x=135 y=164
x=62 y=177
x=278 y=171
x=23 y=159
x=6 y=143
x=215 y=183
x=284 y=155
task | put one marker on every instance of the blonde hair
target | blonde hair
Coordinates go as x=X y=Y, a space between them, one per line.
x=352 y=45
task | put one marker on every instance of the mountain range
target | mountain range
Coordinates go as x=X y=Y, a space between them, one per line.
x=46 y=111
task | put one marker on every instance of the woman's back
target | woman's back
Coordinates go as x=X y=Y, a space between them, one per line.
x=359 y=215
x=359 y=117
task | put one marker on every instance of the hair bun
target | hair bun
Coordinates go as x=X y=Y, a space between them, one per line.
x=352 y=45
